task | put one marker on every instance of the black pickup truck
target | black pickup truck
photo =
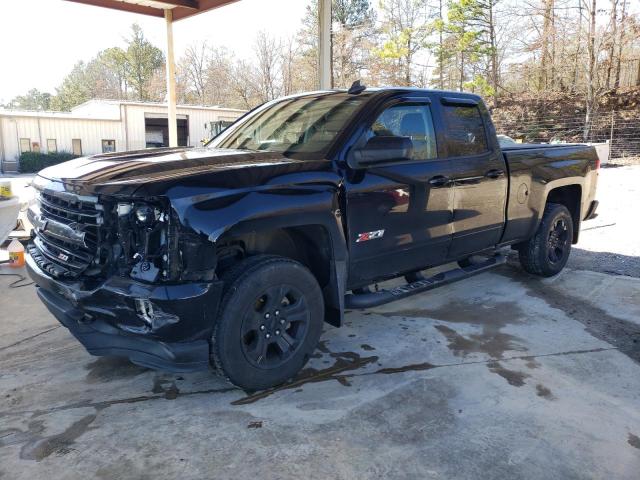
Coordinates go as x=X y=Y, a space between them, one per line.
x=233 y=255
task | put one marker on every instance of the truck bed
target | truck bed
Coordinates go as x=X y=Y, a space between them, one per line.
x=532 y=168
x=540 y=146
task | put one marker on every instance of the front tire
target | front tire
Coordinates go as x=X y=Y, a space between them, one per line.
x=269 y=323
x=547 y=252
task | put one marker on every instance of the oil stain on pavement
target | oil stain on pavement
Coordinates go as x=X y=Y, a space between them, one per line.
x=513 y=377
x=492 y=318
x=344 y=362
x=634 y=441
x=491 y=341
x=41 y=447
x=544 y=392
x=166 y=386
x=107 y=369
x=36 y=446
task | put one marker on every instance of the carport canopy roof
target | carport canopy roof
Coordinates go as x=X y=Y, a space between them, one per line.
x=180 y=8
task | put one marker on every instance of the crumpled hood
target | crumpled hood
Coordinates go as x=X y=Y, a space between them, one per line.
x=155 y=171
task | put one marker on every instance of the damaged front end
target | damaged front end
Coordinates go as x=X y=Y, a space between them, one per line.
x=125 y=276
x=152 y=246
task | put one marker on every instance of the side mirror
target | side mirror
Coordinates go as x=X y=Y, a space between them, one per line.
x=382 y=149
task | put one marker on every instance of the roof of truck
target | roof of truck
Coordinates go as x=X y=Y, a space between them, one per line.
x=392 y=89
x=374 y=91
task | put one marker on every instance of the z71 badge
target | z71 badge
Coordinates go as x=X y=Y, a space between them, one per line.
x=363 y=237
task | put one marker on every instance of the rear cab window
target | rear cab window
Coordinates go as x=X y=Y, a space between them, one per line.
x=464 y=131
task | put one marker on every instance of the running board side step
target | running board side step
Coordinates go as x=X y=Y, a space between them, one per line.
x=373 y=299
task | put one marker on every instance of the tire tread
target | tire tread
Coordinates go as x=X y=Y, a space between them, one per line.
x=532 y=253
x=232 y=277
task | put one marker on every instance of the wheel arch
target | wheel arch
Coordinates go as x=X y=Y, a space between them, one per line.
x=318 y=246
x=571 y=197
x=310 y=214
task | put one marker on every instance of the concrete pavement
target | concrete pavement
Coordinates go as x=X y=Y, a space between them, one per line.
x=480 y=379
x=501 y=376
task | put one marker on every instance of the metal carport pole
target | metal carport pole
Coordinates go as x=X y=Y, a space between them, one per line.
x=171 y=81
x=174 y=10
x=171 y=10
x=324 y=45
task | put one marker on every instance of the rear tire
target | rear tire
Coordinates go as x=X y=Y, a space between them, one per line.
x=269 y=323
x=547 y=252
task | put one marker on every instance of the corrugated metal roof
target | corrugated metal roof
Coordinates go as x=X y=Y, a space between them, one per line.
x=181 y=8
x=158 y=104
x=90 y=110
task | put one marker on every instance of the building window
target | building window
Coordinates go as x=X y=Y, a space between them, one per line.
x=25 y=145
x=76 y=146
x=108 y=146
x=52 y=145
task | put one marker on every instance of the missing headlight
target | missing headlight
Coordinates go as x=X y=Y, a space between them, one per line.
x=143 y=234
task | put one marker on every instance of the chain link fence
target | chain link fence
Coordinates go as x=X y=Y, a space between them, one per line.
x=619 y=128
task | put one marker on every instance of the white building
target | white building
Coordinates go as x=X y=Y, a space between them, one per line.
x=99 y=126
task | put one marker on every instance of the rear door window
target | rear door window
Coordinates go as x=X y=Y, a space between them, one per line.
x=464 y=131
x=408 y=120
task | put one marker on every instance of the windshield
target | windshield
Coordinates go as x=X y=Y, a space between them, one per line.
x=301 y=125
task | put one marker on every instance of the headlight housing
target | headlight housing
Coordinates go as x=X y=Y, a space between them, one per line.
x=143 y=232
x=145 y=215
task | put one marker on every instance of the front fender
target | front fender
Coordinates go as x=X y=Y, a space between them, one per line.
x=229 y=213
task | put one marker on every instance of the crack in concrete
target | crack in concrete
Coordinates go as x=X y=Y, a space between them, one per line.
x=326 y=377
x=109 y=403
x=19 y=342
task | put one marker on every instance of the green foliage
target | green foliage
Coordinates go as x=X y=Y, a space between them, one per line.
x=32 y=162
x=462 y=25
x=33 y=100
x=143 y=59
x=74 y=90
x=352 y=13
x=465 y=53
x=405 y=30
x=346 y=13
x=110 y=74
x=480 y=85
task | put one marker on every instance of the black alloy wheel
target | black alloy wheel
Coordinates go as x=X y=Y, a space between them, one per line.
x=558 y=240
x=269 y=322
x=274 y=326
x=547 y=252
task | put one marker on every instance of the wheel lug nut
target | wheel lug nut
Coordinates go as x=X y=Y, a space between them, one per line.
x=268 y=335
x=277 y=312
x=266 y=315
x=282 y=321
x=277 y=332
x=261 y=327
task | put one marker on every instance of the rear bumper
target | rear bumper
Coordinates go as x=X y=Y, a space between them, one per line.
x=591 y=212
x=161 y=327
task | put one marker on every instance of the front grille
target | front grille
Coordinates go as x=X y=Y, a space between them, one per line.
x=67 y=233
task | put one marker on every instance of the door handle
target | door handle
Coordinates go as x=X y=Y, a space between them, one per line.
x=439 y=181
x=497 y=173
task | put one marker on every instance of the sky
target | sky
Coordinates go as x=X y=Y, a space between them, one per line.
x=41 y=40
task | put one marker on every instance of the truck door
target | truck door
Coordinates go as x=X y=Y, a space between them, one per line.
x=479 y=175
x=399 y=213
